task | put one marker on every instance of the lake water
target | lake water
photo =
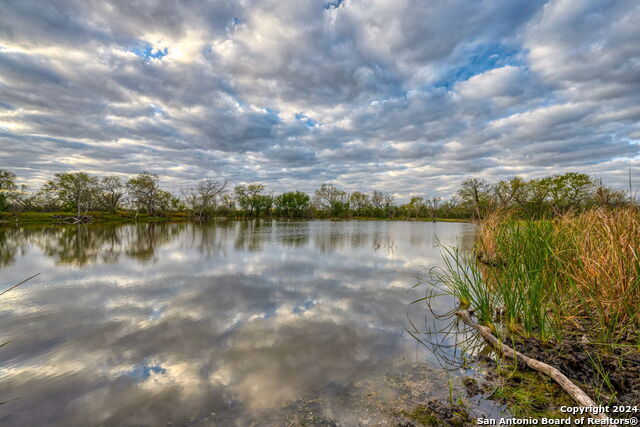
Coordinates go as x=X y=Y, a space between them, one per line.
x=233 y=323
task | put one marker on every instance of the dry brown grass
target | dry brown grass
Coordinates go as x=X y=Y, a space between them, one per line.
x=487 y=236
x=599 y=255
x=583 y=269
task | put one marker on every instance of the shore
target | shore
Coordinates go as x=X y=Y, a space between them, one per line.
x=48 y=218
x=562 y=291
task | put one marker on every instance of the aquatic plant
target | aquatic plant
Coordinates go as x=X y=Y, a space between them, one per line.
x=538 y=278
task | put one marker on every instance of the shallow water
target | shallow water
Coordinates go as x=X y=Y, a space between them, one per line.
x=233 y=323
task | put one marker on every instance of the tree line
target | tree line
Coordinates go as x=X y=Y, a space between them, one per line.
x=543 y=197
x=81 y=193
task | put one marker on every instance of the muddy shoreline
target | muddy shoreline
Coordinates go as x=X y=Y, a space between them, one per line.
x=588 y=364
x=611 y=378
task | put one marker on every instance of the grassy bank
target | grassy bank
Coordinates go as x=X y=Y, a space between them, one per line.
x=576 y=272
x=543 y=278
x=27 y=218
x=371 y=218
x=564 y=290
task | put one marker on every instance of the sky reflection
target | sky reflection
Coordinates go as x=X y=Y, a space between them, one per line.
x=200 y=324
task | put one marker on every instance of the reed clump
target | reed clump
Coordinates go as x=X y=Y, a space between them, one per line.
x=599 y=254
x=540 y=278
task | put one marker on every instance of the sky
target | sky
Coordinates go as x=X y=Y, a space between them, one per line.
x=402 y=96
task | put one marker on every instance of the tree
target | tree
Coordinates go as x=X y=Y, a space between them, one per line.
x=112 y=190
x=454 y=208
x=76 y=190
x=474 y=192
x=569 y=191
x=21 y=199
x=227 y=204
x=262 y=204
x=45 y=199
x=248 y=198
x=144 y=192
x=503 y=193
x=415 y=208
x=359 y=203
x=292 y=204
x=605 y=196
x=331 y=199
x=532 y=196
x=169 y=202
x=7 y=187
x=519 y=192
x=433 y=205
x=382 y=203
x=202 y=198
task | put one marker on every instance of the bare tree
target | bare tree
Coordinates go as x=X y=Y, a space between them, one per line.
x=202 y=198
x=331 y=199
x=434 y=207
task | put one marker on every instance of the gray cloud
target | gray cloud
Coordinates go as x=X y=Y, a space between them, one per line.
x=379 y=94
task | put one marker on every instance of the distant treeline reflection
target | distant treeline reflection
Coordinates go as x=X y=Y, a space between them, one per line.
x=83 y=244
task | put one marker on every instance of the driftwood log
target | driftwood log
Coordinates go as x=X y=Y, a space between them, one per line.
x=574 y=391
x=82 y=219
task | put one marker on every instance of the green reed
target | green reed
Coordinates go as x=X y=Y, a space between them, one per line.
x=538 y=278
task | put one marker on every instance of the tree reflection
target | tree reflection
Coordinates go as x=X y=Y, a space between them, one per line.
x=210 y=238
x=82 y=244
x=76 y=245
x=10 y=243
x=142 y=240
x=251 y=235
x=294 y=234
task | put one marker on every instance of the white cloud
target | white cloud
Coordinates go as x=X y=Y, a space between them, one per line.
x=519 y=85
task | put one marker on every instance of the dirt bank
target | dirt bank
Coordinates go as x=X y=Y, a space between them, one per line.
x=610 y=377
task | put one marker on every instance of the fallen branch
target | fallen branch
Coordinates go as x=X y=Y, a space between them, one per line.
x=81 y=219
x=574 y=391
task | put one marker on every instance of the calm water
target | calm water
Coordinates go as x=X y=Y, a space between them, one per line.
x=235 y=323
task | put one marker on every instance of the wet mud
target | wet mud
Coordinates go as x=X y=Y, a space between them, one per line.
x=613 y=376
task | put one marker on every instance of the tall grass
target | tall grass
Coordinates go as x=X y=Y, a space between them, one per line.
x=543 y=277
x=600 y=264
x=461 y=278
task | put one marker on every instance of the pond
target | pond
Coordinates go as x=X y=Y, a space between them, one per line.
x=228 y=323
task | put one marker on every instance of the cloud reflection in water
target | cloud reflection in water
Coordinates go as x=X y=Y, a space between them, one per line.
x=146 y=324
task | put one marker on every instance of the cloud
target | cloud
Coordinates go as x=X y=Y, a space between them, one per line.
x=297 y=93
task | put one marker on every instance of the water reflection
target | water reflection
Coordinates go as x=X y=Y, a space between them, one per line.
x=222 y=323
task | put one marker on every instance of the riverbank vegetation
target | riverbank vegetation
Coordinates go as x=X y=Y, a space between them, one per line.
x=540 y=277
x=580 y=270
x=562 y=288
x=82 y=197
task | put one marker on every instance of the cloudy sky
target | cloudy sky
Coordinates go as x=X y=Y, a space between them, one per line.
x=403 y=96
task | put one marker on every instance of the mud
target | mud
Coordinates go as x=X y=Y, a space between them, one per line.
x=437 y=413
x=588 y=365
x=472 y=386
